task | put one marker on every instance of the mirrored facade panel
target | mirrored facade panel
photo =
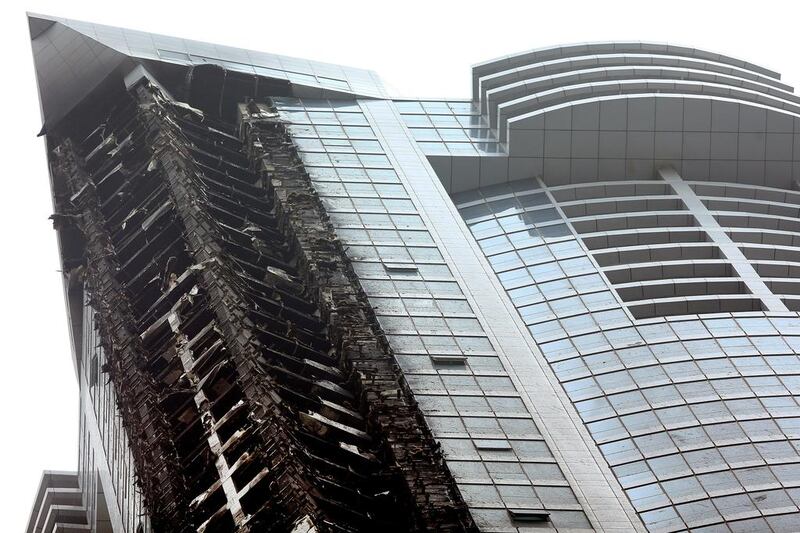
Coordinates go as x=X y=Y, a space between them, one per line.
x=689 y=411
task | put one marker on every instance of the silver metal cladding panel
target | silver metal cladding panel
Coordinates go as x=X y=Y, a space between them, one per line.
x=623 y=137
x=68 y=66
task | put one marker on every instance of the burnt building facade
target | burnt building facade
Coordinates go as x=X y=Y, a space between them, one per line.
x=300 y=304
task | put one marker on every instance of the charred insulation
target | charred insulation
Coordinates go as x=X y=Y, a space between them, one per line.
x=256 y=386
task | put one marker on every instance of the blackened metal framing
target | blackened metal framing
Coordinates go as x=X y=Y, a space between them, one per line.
x=253 y=379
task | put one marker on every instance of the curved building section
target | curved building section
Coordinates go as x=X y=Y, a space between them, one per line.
x=648 y=234
x=581 y=50
x=510 y=78
x=531 y=93
x=613 y=111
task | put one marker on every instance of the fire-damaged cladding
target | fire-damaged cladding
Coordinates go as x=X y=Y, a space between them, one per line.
x=249 y=369
x=217 y=91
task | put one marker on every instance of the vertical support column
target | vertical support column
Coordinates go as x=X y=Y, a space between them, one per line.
x=718 y=236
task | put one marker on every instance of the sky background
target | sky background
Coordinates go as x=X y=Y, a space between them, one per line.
x=419 y=49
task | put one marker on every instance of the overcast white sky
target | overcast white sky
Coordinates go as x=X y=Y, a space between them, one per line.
x=420 y=48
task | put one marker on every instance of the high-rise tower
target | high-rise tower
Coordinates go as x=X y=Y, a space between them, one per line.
x=298 y=304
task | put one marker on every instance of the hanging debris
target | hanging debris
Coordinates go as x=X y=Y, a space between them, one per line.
x=251 y=374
